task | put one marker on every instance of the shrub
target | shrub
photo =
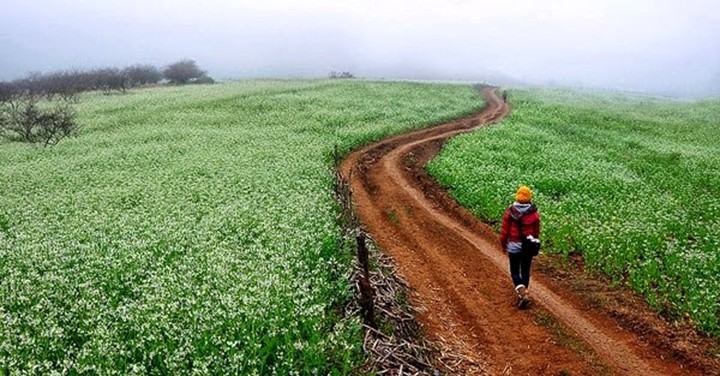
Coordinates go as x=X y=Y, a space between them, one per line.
x=334 y=75
x=183 y=72
x=204 y=80
x=24 y=119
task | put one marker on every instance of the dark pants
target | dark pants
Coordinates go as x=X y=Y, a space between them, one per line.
x=520 y=268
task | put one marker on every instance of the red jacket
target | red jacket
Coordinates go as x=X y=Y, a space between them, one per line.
x=530 y=224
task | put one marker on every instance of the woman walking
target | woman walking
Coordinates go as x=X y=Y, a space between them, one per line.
x=520 y=238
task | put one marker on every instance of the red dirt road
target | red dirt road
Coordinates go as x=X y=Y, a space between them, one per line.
x=460 y=275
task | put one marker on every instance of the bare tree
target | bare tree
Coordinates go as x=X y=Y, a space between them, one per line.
x=31 y=84
x=138 y=75
x=109 y=79
x=24 y=118
x=65 y=84
x=183 y=72
x=84 y=80
x=7 y=91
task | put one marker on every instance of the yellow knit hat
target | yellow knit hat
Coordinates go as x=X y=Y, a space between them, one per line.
x=523 y=195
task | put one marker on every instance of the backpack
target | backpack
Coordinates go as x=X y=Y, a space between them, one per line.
x=530 y=246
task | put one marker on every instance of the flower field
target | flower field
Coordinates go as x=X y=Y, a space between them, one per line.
x=630 y=182
x=192 y=230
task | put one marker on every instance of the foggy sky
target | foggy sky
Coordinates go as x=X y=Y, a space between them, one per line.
x=658 y=46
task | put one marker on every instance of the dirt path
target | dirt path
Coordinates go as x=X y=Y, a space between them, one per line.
x=459 y=275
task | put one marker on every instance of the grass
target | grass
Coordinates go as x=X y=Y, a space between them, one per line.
x=193 y=229
x=628 y=182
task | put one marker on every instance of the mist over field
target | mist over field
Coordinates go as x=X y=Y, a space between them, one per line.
x=657 y=46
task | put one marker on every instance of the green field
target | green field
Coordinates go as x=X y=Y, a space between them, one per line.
x=193 y=229
x=632 y=183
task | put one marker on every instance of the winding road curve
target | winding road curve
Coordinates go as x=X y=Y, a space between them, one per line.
x=459 y=275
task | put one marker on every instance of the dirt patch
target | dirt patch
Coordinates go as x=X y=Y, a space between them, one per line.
x=459 y=275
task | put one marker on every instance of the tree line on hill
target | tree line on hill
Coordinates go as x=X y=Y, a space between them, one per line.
x=67 y=83
x=37 y=108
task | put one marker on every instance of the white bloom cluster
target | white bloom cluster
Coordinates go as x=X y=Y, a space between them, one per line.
x=192 y=230
x=629 y=182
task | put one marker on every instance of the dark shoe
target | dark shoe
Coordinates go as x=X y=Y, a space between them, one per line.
x=523 y=295
x=524 y=302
